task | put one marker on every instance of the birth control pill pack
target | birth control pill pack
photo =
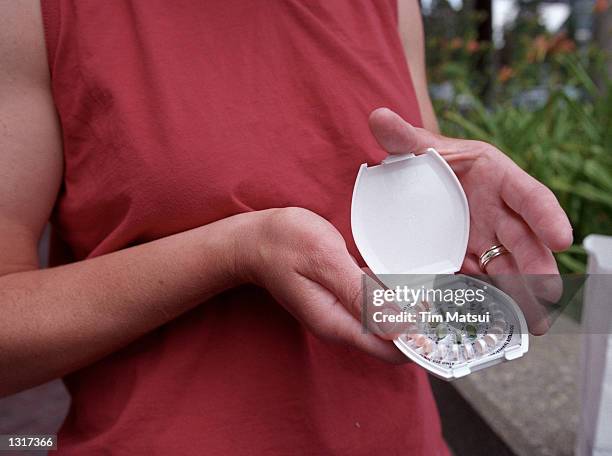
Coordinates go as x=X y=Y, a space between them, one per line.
x=410 y=222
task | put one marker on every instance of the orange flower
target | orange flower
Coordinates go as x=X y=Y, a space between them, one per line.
x=538 y=49
x=505 y=73
x=472 y=46
x=600 y=6
x=561 y=44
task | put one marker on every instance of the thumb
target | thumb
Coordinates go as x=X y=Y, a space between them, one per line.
x=397 y=136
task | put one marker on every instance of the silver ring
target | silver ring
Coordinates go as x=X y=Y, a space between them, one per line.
x=492 y=252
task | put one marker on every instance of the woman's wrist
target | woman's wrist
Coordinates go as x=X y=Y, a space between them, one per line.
x=245 y=237
x=257 y=238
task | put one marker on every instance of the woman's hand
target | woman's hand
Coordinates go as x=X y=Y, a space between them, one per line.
x=302 y=260
x=507 y=206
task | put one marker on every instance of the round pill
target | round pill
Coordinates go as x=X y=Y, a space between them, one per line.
x=472 y=331
x=455 y=352
x=419 y=340
x=423 y=306
x=490 y=340
x=428 y=346
x=496 y=329
x=497 y=315
x=480 y=346
x=468 y=351
x=441 y=331
x=501 y=323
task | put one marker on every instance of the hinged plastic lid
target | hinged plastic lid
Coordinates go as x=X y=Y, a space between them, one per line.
x=410 y=215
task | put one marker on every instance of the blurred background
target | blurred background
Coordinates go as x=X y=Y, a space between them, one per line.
x=534 y=78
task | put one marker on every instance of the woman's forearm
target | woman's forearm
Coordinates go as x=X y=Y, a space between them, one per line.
x=60 y=319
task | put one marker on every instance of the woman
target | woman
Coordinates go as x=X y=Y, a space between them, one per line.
x=196 y=160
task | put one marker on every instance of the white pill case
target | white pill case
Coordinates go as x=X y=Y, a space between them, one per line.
x=409 y=217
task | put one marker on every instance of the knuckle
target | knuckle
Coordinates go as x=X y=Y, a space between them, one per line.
x=295 y=214
x=295 y=220
x=482 y=147
x=287 y=217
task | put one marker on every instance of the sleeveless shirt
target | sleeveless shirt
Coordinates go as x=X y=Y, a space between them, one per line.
x=179 y=113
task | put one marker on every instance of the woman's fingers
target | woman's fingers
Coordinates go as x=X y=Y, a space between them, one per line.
x=329 y=319
x=532 y=257
x=538 y=206
x=505 y=275
x=339 y=273
x=513 y=273
x=352 y=287
x=397 y=136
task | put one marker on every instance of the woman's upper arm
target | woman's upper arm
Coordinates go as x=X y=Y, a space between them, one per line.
x=30 y=140
x=411 y=33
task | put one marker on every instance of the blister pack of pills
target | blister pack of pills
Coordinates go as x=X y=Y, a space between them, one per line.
x=453 y=340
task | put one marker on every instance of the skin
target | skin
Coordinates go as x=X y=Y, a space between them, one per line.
x=57 y=320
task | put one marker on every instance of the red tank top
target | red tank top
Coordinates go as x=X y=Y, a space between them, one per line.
x=179 y=113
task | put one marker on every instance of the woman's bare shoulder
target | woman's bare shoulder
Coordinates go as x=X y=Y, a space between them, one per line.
x=22 y=43
x=31 y=159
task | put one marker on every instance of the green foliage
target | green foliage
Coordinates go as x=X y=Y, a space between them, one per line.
x=453 y=52
x=539 y=98
x=566 y=143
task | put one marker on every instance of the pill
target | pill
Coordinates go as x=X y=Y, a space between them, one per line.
x=423 y=306
x=455 y=352
x=497 y=329
x=468 y=351
x=471 y=331
x=419 y=340
x=428 y=346
x=501 y=323
x=480 y=346
x=490 y=340
x=497 y=315
x=441 y=331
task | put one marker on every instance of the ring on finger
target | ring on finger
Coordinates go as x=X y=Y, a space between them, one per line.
x=492 y=252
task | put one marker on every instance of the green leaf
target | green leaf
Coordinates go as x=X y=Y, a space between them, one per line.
x=584 y=190
x=598 y=174
x=570 y=263
x=473 y=130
